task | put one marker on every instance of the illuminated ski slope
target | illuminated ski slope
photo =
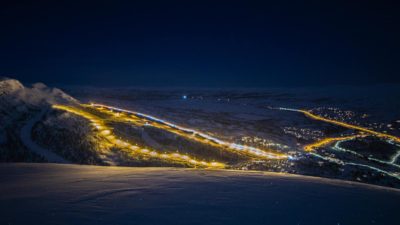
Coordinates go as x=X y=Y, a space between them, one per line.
x=188 y=133
x=111 y=140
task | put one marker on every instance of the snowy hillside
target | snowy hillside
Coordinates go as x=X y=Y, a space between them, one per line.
x=19 y=104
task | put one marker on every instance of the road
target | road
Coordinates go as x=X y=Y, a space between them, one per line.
x=26 y=138
x=326 y=141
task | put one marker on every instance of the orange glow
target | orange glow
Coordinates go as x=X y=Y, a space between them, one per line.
x=109 y=139
x=327 y=141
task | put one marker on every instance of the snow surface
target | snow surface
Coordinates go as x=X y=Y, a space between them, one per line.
x=73 y=194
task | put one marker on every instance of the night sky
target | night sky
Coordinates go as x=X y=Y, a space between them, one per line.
x=200 y=43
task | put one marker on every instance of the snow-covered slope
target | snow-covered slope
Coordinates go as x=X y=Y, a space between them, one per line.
x=12 y=91
x=8 y=86
x=16 y=99
x=19 y=104
x=76 y=194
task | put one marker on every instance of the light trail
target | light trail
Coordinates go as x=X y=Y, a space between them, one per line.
x=384 y=162
x=343 y=163
x=391 y=162
x=326 y=141
x=395 y=157
x=337 y=147
x=343 y=124
x=105 y=132
x=193 y=134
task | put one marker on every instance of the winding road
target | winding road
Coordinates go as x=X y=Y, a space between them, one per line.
x=26 y=138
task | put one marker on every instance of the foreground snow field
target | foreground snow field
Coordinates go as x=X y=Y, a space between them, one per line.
x=75 y=194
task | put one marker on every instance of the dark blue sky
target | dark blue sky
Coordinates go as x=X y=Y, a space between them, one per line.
x=200 y=43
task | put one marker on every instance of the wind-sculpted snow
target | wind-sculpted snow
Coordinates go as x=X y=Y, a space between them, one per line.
x=73 y=194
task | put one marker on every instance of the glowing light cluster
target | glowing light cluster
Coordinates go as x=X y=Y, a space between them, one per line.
x=343 y=124
x=111 y=140
x=190 y=133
